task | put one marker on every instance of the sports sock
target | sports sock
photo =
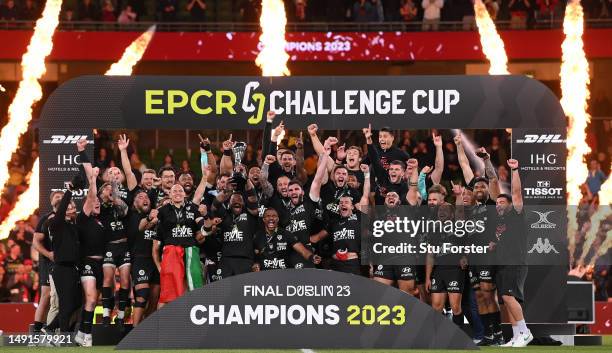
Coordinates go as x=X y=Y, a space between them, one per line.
x=38 y=326
x=107 y=299
x=515 y=331
x=522 y=326
x=486 y=323
x=86 y=321
x=123 y=300
x=458 y=319
x=496 y=322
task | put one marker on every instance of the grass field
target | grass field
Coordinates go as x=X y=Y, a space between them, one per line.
x=606 y=347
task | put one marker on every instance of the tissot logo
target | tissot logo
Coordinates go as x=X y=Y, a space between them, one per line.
x=543 y=247
x=65 y=139
x=543 y=183
x=541 y=139
x=543 y=222
x=543 y=190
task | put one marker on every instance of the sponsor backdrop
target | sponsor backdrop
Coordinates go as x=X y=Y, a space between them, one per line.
x=403 y=102
x=296 y=309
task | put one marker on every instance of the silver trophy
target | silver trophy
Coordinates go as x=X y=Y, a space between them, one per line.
x=239 y=177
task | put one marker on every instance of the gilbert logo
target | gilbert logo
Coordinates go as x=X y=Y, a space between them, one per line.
x=543 y=247
x=543 y=222
x=65 y=139
x=541 y=139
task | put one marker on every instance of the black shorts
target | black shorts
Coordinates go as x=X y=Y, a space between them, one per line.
x=447 y=279
x=44 y=270
x=395 y=272
x=144 y=271
x=479 y=274
x=213 y=271
x=297 y=261
x=92 y=268
x=420 y=274
x=510 y=280
x=117 y=254
x=232 y=266
x=349 y=266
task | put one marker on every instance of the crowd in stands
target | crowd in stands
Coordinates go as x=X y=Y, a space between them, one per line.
x=520 y=13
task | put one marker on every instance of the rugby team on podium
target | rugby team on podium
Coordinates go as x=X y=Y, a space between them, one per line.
x=165 y=236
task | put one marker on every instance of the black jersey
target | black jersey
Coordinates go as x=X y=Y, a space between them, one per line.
x=511 y=235
x=64 y=234
x=301 y=219
x=113 y=223
x=330 y=196
x=91 y=235
x=156 y=195
x=281 y=205
x=385 y=156
x=43 y=227
x=441 y=247
x=345 y=233
x=141 y=242
x=486 y=214
x=237 y=234
x=274 y=249
x=177 y=225
x=384 y=187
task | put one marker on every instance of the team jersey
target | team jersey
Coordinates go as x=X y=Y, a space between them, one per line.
x=237 y=234
x=274 y=249
x=141 y=242
x=177 y=225
x=345 y=233
x=385 y=186
x=113 y=222
x=43 y=227
x=92 y=239
x=301 y=219
x=330 y=196
x=281 y=205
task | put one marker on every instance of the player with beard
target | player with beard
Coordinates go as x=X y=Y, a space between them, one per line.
x=237 y=228
x=42 y=243
x=403 y=275
x=92 y=246
x=280 y=200
x=510 y=249
x=345 y=229
x=272 y=245
x=178 y=231
x=351 y=157
x=142 y=224
x=445 y=276
x=263 y=188
x=117 y=254
x=482 y=270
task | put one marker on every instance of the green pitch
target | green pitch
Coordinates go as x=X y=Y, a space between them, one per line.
x=606 y=347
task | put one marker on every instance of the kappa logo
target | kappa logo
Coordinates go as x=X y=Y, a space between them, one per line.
x=141 y=272
x=88 y=268
x=379 y=267
x=109 y=254
x=543 y=247
x=453 y=284
x=65 y=139
x=541 y=139
x=279 y=237
x=543 y=222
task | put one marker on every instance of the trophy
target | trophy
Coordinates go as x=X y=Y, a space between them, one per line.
x=239 y=175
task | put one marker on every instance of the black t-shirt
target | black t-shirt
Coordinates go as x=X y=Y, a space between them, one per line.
x=43 y=227
x=330 y=196
x=385 y=186
x=511 y=235
x=274 y=249
x=237 y=233
x=345 y=233
x=386 y=156
x=156 y=195
x=486 y=213
x=141 y=242
x=177 y=226
x=302 y=218
x=444 y=256
x=91 y=235
x=113 y=223
x=282 y=206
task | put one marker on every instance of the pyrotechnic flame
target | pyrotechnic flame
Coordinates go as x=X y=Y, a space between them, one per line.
x=491 y=42
x=603 y=211
x=26 y=204
x=29 y=91
x=272 y=59
x=132 y=55
x=575 y=93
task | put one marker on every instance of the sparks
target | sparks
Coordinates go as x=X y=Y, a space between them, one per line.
x=132 y=55
x=29 y=200
x=575 y=93
x=491 y=42
x=272 y=59
x=25 y=205
x=29 y=90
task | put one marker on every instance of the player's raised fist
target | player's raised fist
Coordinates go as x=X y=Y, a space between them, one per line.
x=270 y=116
x=312 y=129
x=513 y=163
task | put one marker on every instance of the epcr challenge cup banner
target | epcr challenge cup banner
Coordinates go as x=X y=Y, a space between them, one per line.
x=296 y=309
